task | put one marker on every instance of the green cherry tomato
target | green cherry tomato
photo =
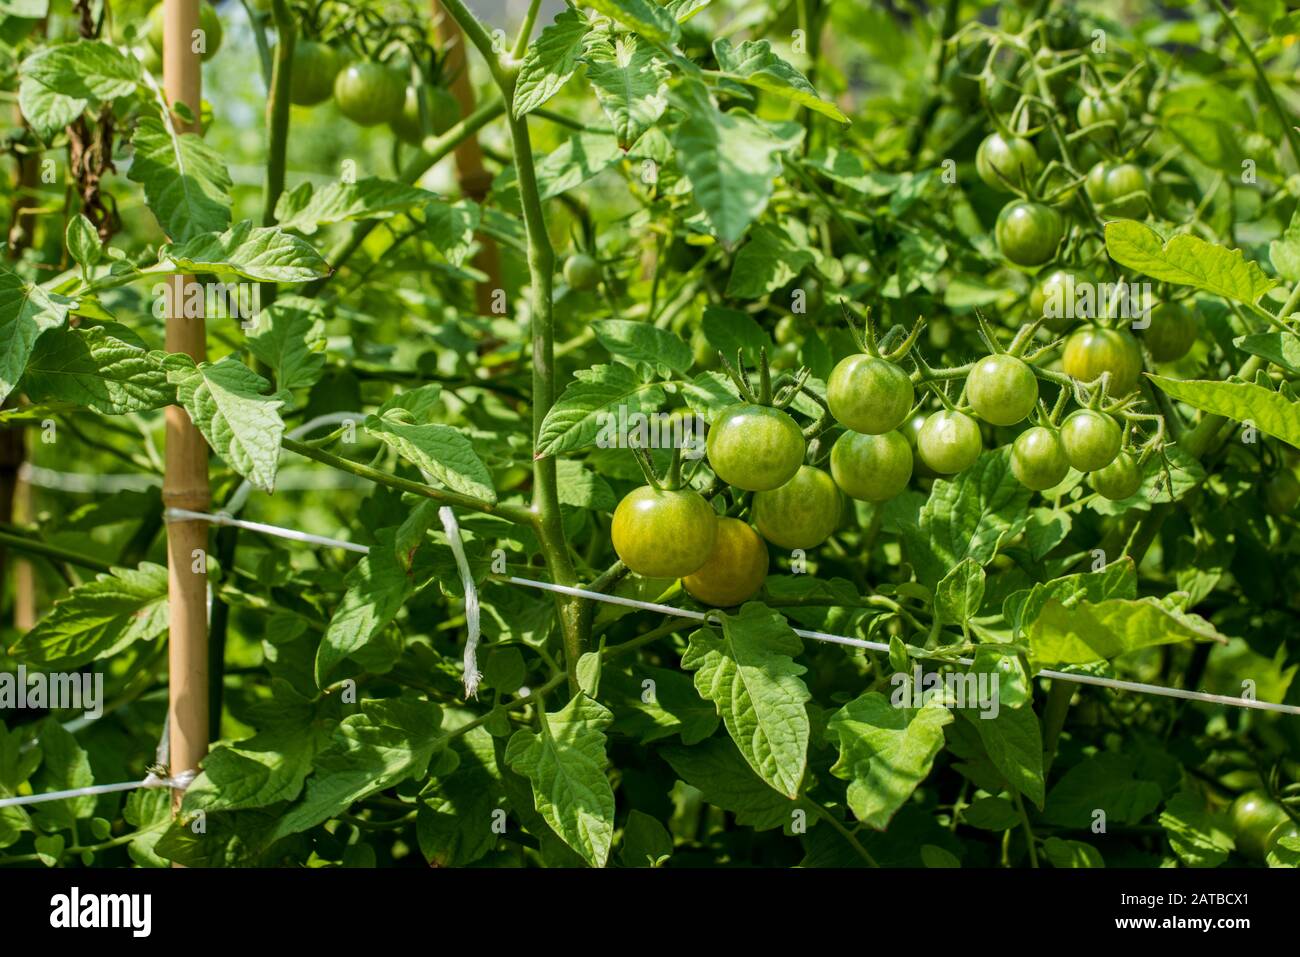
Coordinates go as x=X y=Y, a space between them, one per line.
x=869 y=395
x=315 y=66
x=1118 y=190
x=1091 y=439
x=1254 y=817
x=582 y=272
x=1172 y=332
x=209 y=23
x=1092 y=350
x=1000 y=161
x=1063 y=297
x=370 y=93
x=1287 y=828
x=1002 y=389
x=871 y=467
x=735 y=569
x=787 y=332
x=754 y=447
x=1101 y=109
x=1028 y=233
x=664 y=534
x=441 y=108
x=1038 y=459
x=949 y=442
x=1282 y=493
x=802 y=513
x=1119 y=480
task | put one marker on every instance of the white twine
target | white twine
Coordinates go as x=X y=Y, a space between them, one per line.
x=472 y=674
x=225 y=518
x=1117 y=684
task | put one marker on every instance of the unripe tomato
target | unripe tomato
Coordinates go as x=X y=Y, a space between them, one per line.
x=735 y=569
x=370 y=93
x=1115 y=189
x=1282 y=493
x=664 y=534
x=1028 y=233
x=1038 y=459
x=869 y=395
x=1287 y=828
x=1172 y=332
x=1099 y=109
x=1091 y=439
x=1254 y=816
x=209 y=23
x=787 y=332
x=1002 y=389
x=1001 y=160
x=802 y=513
x=315 y=67
x=949 y=442
x=441 y=106
x=871 y=467
x=1118 y=480
x=755 y=447
x=1058 y=298
x=582 y=272
x=1092 y=350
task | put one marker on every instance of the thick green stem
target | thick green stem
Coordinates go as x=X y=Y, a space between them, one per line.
x=513 y=513
x=34 y=546
x=277 y=112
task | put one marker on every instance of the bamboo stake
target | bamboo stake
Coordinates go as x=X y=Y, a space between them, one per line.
x=474 y=179
x=185 y=484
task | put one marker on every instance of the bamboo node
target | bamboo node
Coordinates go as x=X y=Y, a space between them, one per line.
x=195 y=498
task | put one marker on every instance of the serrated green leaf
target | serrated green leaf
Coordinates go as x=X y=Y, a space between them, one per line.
x=1014 y=743
x=584 y=409
x=455 y=822
x=1284 y=253
x=959 y=593
x=641 y=16
x=60 y=81
x=885 y=752
x=1199 y=838
x=26 y=311
x=89 y=367
x=577 y=160
x=371 y=198
x=717 y=769
x=292 y=343
x=631 y=83
x=1065 y=853
x=1092 y=631
x=566 y=764
x=754 y=62
x=99 y=618
x=440 y=450
x=550 y=61
x=747 y=670
x=1107 y=782
x=264 y=254
x=644 y=342
x=377 y=587
x=1186 y=260
x=646 y=842
x=1281 y=348
x=225 y=402
x=1269 y=411
x=768 y=261
x=82 y=240
x=185 y=180
x=451 y=226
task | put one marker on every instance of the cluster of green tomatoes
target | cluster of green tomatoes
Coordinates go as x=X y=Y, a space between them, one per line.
x=366 y=91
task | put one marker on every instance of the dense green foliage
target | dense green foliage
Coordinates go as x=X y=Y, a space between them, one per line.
x=902 y=260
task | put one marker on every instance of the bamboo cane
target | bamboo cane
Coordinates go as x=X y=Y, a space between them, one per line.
x=185 y=484
x=474 y=179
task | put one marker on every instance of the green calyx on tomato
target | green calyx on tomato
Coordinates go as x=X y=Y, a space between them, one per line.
x=1028 y=233
x=1092 y=350
x=735 y=569
x=209 y=26
x=315 y=67
x=949 y=442
x=1254 y=817
x=802 y=513
x=1038 y=459
x=441 y=108
x=869 y=395
x=662 y=533
x=582 y=272
x=1091 y=439
x=369 y=93
x=1005 y=162
x=1119 y=480
x=1002 y=389
x=755 y=447
x=1119 y=190
x=1172 y=332
x=872 y=468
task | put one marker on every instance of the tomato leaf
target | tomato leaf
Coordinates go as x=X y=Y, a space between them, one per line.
x=642 y=342
x=593 y=406
x=755 y=63
x=1092 y=631
x=261 y=253
x=727 y=781
x=306 y=209
x=59 y=82
x=440 y=450
x=26 y=311
x=550 y=61
x=642 y=16
x=185 y=180
x=1186 y=260
x=93 y=369
x=1280 y=348
x=293 y=343
x=1270 y=412
x=631 y=83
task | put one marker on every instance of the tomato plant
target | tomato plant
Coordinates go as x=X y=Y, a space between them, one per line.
x=658 y=399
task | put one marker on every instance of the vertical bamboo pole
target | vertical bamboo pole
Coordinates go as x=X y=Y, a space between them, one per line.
x=474 y=179
x=185 y=484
